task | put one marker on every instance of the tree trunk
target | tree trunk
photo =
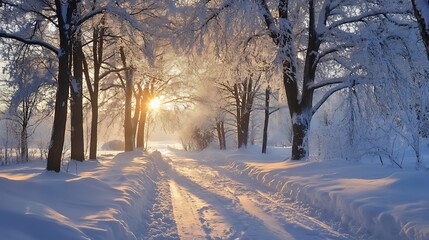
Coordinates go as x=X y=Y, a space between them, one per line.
x=300 y=127
x=128 y=128
x=221 y=135
x=266 y=120
x=60 y=116
x=94 y=128
x=418 y=13
x=76 y=135
x=142 y=121
x=137 y=111
x=94 y=89
x=24 y=142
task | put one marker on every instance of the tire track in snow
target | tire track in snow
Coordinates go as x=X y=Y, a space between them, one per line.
x=247 y=209
x=222 y=213
x=161 y=225
x=185 y=213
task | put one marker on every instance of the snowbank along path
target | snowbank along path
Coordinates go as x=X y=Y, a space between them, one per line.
x=200 y=200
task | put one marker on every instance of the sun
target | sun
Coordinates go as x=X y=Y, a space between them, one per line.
x=155 y=103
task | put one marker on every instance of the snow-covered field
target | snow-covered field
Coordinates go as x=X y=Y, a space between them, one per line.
x=237 y=194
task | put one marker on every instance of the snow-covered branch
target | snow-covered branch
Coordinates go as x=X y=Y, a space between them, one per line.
x=269 y=20
x=334 y=49
x=91 y=14
x=37 y=42
x=347 y=79
x=361 y=17
x=327 y=95
x=215 y=13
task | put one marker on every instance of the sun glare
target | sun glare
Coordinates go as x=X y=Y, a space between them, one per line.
x=155 y=103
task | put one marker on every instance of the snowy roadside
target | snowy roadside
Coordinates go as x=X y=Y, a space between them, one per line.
x=104 y=199
x=368 y=199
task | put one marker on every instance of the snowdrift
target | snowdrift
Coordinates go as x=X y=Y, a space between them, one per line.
x=103 y=199
x=380 y=202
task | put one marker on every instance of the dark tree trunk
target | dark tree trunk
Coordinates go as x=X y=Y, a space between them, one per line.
x=244 y=95
x=238 y=103
x=128 y=128
x=94 y=129
x=266 y=120
x=300 y=128
x=424 y=32
x=24 y=141
x=60 y=116
x=76 y=120
x=94 y=88
x=301 y=117
x=221 y=135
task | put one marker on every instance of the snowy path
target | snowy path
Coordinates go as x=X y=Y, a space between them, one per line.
x=201 y=201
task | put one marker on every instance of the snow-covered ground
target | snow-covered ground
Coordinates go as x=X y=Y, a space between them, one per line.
x=105 y=199
x=367 y=200
x=240 y=194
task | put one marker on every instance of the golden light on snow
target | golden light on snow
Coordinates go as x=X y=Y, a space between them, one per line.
x=155 y=103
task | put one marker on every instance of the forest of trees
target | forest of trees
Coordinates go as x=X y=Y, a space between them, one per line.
x=335 y=74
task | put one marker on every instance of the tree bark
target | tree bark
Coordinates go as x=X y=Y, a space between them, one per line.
x=266 y=120
x=76 y=120
x=24 y=141
x=221 y=135
x=128 y=128
x=424 y=32
x=137 y=110
x=142 y=121
x=94 y=129
x=60 y=116
x=300 y=127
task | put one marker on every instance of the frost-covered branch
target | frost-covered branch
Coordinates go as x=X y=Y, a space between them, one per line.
x=334 y=49
x=37 y=42
x=215 y=13
x=327 y=95
x=361 y=17
x=317 y=85
x=269 y=20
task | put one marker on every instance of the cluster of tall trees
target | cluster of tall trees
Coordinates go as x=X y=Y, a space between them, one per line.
x=324 y=50
x=316 y=52
x=85 y=39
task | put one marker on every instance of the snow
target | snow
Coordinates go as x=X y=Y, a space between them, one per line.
x=102 y=199
x=382 y=202
x=235 y=194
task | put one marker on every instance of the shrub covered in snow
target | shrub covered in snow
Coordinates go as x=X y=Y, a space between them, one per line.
x=115 y=145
